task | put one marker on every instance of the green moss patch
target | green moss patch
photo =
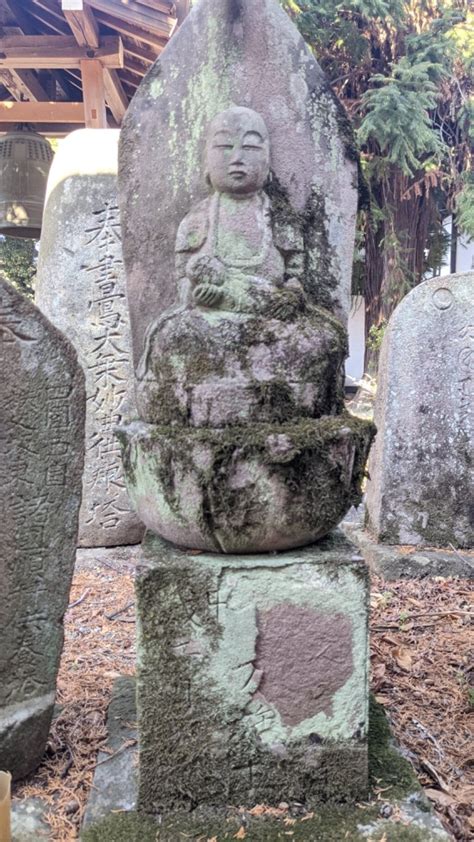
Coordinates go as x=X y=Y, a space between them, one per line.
x=326 y=824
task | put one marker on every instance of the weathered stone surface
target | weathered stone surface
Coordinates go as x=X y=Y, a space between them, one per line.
x=115 y=779
x=245 y=347
x=394 y=561
x=42 y=408
x=421 y=468
x=223 y=55
x=81 y=289
x=27 y=823
x=230 y=711
x=245 y=489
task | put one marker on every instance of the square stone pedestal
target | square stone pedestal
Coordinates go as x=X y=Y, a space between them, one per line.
x=252 y=676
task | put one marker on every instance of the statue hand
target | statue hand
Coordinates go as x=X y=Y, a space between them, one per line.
x=207 y=295
x=286 y=305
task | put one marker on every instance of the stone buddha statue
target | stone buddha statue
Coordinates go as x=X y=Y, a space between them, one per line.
x=242 y=443
x=227 y=254
x=240 y=275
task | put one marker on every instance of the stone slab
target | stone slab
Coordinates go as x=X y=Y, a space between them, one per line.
x=250 y=54
x=421 y=490
x=27 y=824
x=81 y=288
x=42 y=409
x=116 y=775
x=394 y=562
x=252 y=676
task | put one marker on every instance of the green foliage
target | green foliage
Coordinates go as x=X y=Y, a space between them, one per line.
x=397 y=114
x=18 y=259
x=403 y=69
x=465 y=206
x=376 y=334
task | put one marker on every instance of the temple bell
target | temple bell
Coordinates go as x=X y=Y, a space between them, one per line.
x=25 y=159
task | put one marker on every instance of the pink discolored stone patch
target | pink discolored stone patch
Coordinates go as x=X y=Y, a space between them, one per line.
x=305 y=656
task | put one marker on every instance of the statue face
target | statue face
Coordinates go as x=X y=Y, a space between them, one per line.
x=238 y=152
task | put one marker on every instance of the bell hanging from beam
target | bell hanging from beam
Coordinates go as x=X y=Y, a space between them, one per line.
x=25 y=159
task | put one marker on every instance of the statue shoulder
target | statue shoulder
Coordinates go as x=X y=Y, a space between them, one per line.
x=194 y=228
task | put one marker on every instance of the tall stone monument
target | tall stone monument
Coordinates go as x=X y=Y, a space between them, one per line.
x=237 y=169
x=421 y=488
x=42 y=409
x=81 y=289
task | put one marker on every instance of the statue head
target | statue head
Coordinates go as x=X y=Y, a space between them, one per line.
x=237 y=152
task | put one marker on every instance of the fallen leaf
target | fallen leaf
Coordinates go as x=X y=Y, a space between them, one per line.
x=378 y=670
x=441 y=798
x=465 y=794
x=406 y=626
x=288 y=821
x=241 y=834
x=306 y=818
x=403 y=658
x=258 y=810
x=382 y=700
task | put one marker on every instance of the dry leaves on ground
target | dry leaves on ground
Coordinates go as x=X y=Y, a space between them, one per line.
x=422 y=672
x=96 y=651
x=421 y=645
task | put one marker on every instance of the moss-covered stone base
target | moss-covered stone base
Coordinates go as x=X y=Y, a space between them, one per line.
x=252 y=677
x=244 y=489
x=388 y=771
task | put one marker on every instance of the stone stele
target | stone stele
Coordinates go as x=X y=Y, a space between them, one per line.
x=42 y=411
x=252 y=676
x=243 y=444
x=421 y=489
x=81 y=289
x=222 y=55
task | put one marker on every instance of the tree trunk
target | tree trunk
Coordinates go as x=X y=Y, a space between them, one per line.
x=395 y=250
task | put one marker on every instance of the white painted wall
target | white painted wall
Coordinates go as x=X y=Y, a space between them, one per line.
x=356 y=328
x=464 y=253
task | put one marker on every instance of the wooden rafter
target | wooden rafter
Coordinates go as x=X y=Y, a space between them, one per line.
x=80 y=18
x=115 y=96
x=131 y=31
x=134 y=13
x=56 y=51
x=23 y=83
x=159 y=5
x=86 y=32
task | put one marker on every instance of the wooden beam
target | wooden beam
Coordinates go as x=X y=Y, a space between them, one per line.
x=56 y=52
x=86 y=32
x=54 y=129
x=93 y=91
x=23 y=83
x=131 y=31
x=137 y=15
x=80 y=18
x=144 y=54
x=42 y=112
x=115 y=96
x=159 y=6
x=183 y=7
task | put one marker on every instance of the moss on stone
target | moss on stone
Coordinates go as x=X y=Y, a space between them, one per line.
x=319 y=280
x=328 y=825
x=387 y=767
